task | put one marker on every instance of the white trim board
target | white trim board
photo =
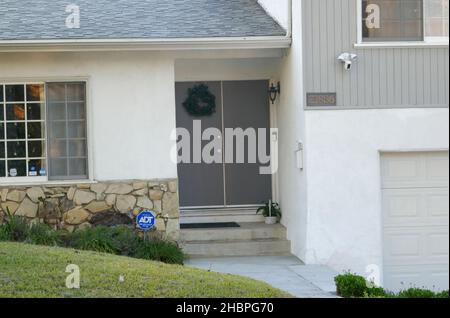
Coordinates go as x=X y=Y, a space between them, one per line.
x=75 y=45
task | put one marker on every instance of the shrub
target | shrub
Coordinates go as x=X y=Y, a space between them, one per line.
x=161 y=251
x=42 y=234
x=122 y=240
x=64 y=238
x=376 y=292
x=420 y=293
x=443 y=294
x=125 y=240
x=14 y=229
x=350 y=285
x=119 y=240
x=98 y=239
x=353 y=286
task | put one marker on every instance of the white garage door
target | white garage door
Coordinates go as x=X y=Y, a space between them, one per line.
x=415 y=190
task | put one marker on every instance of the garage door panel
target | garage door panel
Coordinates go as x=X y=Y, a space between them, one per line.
x=398 y=169
x=418 y=245
x=415 y=170
x=416 y=206
x=438 y=203
x=400 y=204
x=398 y=279
x=415 y=203
x=428 y=276
x=437 y=168
x=438 y=244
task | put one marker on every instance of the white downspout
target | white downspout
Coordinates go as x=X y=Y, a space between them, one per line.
x=289 y=22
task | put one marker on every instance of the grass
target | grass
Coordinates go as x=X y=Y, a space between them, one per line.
x=39 y=272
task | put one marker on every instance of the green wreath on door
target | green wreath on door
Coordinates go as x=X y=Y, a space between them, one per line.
x=200 y=101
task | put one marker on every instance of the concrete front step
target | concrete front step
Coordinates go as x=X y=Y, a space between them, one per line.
x=259 y=247
x=247 y=231
x=220 y=216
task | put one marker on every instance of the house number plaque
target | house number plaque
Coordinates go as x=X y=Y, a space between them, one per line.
x=321 y=99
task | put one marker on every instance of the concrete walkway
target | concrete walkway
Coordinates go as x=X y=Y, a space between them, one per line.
x=287 y=273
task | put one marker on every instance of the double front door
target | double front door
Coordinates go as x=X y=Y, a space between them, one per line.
x=241 y=105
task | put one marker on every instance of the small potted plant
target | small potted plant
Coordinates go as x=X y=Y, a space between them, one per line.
x=271 y=212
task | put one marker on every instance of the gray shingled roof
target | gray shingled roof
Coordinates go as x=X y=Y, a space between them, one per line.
x=136 y=19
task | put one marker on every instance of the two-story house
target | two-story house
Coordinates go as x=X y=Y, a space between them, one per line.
x=97 y=99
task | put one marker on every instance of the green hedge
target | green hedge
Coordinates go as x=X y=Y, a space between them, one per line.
x=350 y=285
x=120 y=240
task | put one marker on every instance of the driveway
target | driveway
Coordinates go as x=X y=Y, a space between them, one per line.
x=287 y=273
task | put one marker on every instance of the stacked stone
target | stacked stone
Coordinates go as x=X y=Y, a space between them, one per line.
x=73 y=207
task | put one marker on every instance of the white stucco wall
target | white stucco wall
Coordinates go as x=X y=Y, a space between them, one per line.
x=278 y=9
x=291 y=118
x=226 y=69
x=344 y=178
x=131 y=105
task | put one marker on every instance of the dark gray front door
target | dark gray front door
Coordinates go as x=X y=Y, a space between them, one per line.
x=239 y=104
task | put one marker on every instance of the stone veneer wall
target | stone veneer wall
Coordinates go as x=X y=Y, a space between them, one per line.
x=74 y=207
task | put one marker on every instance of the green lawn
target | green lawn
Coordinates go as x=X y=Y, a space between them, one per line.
x=37 y=271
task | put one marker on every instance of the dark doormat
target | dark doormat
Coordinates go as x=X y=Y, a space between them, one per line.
x=209 y=225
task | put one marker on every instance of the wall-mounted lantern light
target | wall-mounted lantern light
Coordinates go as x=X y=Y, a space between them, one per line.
x=274 y=91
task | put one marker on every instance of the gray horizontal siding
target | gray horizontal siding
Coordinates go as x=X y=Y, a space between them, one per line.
x=382 y=77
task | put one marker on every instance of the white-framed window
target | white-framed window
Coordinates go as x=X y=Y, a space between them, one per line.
x=387 y=21
x=436 y=20
x=43 y=132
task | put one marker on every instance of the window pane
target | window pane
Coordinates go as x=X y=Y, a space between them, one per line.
x=58 y=168
x=35 y=112
x=56 y=111
x=77 y=129
x=57 y=129
x=15 y=112
x=2 y=169
x=36 y=168
x=1 y=93
x=15 y=131
x=15 y=93
x=16 y=149
x=75 y=92
x=36 y=149
x=35 y=130
x=77 y=167
x=22 y=119
x=436 y=18
x=67 y=131
x=56 y=92
x=76 y=111
x=35 y=93
x=399 y=20
x=58 y=148
x=77 y=148
x=17 y=168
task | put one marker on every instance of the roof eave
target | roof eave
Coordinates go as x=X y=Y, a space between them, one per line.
x=80 y=45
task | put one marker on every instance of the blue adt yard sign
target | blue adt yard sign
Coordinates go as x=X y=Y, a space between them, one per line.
x=145 y=220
